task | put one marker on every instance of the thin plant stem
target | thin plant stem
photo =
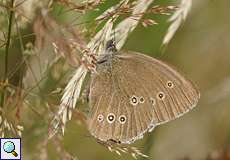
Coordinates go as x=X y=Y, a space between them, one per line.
x=22 y=51
x=8 y=40
x=149 y=143
x=7 y=51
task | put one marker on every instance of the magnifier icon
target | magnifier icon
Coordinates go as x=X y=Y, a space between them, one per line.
x=9 y=147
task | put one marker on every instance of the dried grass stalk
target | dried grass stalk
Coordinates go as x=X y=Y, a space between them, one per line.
x=96 y=47
x=69 y=100
x=176 y=19
x=125 y=27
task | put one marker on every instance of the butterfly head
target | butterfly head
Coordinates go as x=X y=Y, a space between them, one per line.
x=110 y=50
x=111 y=46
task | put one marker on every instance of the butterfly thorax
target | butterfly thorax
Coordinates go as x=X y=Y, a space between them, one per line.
x=107 y=60
x=107 y=63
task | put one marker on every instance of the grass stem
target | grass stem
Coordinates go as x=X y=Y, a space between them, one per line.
x=5 y=78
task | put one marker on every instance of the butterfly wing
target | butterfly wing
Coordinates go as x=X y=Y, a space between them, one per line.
x=144 y=91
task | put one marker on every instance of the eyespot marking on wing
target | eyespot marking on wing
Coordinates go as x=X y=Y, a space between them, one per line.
x=170 y=84
x=122 y=119
x=111 y=118
x=153 y=101
x=134 y=100
x=160 y=95
x=100 y=118
x=141 y=100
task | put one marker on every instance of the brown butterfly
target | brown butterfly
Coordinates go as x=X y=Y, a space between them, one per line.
x=131 y=93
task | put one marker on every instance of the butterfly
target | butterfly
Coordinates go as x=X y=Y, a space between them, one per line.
x=132 y=93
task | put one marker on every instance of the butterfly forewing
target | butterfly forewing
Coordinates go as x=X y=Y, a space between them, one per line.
x=144 y=91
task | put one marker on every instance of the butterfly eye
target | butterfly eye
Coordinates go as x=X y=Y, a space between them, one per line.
x=161 y=95
x=141 y=100
x=134 y=100
x=111 y=118
x=100 y=118
x=122 y=119
x=153 y=101
x=169 y=84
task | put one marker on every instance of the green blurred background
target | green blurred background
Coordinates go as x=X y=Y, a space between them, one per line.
x=200 y=49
